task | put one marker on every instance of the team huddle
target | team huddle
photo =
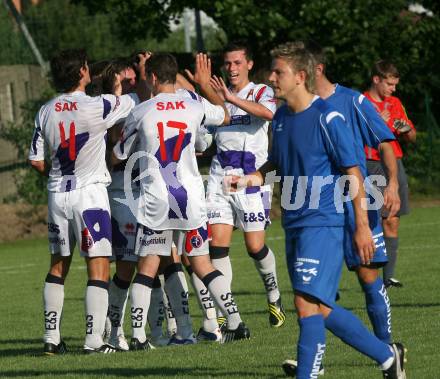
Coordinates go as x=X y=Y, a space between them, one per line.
x=119 y=146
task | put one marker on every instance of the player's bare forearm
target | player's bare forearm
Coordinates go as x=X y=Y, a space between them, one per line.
x=182 y=82
x=42 y=167
x=390 y=162
x=252 y=107
x=362 y=237
x=212 y=96
x=410 y=137
x=391 y=193
x=114 y=160
x=142 y=90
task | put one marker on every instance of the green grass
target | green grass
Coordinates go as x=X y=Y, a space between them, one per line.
x=416 y=315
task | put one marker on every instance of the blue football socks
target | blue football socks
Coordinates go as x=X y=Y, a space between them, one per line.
x=379 y=309
x=311 y=345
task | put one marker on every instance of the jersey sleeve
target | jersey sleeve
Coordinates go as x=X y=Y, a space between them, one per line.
x=373 y=128
x=128 y=140
x=338 y=139
x=36 y=151
x=265 y=96
x=214 y=114
x=117 y=108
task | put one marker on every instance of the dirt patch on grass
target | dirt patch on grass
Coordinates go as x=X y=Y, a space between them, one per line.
x=19 y=221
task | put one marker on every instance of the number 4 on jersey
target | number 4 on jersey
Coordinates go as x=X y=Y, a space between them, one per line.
x=71 y=142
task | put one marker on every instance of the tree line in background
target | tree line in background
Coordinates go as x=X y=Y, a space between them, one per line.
x=355 y=33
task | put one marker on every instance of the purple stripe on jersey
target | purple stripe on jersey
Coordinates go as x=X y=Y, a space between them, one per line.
x=67 y=165
x=250 y=190
x=177 y=194
x=35 y=139
x=101 y=218
x=237 y=159
x=192 y=94
x=119 y=240
x=107 y=108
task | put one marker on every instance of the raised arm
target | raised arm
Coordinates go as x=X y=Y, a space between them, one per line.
x=202 y=77
x=252 y=107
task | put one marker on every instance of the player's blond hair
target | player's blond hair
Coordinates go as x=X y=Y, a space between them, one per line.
x=296 y=54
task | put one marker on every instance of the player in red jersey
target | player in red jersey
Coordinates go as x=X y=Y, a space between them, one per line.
x=384 y=80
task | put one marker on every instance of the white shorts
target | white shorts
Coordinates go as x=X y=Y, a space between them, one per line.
x=80 y=215
x=123 y=229
x=192 y=243
x=246 y=211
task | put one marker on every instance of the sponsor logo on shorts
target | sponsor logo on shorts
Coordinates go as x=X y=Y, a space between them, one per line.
x=86 y=240
x=57 y=241
x=53 y=228
x=195 y=238
x=214 y=214
x=196 y=241
x=308 y=273
x=153 y=241
x=254 y=217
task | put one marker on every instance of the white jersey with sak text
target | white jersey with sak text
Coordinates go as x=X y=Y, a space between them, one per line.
x=242 y=145
x=73 y=127
x=162 y=134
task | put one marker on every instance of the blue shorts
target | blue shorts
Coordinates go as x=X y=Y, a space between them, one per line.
x=351 y=256
x=314 y=260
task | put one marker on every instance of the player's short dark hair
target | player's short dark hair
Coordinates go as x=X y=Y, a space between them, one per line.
x=239 y=46
x=384 y=69
x=65 y=68
x=164 y=66
x=103 y=75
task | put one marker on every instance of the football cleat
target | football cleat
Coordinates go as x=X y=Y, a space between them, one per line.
x=104 y=349
x=391 y=282
x=204 y=336
x=277 y=316
x=397 y=370
x=136 y=345
x=290 y=366
x=222 y=321
x=174 y=340
x=52 y=349
x=240 y=333
x=119 y=342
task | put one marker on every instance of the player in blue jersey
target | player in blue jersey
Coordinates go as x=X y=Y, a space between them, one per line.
x=368 y=130
x=312 y=149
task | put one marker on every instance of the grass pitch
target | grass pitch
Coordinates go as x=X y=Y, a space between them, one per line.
x=416 y=318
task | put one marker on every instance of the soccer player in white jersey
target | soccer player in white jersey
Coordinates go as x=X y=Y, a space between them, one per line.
x=73 y=126
x=119 y=77
x=163 y=133
x=242 y=148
